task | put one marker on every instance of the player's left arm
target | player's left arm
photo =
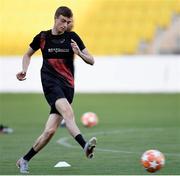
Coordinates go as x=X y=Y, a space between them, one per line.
x=84 y=54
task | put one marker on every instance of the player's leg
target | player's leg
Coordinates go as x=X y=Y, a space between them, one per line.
x=51 y=126
x=65 y=109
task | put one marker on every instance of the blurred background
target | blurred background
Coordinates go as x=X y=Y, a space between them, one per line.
x=135 y=43
x=108 y=27
x=133 y=87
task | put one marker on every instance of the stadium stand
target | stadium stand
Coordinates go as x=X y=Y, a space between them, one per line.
x=108 y=27
x=167 y=41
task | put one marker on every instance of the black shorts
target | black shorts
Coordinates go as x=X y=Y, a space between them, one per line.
x=54 y=89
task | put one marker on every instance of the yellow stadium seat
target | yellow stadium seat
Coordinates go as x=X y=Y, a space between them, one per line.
x=108 y=27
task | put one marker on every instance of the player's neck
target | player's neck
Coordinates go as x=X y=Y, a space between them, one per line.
x=54 y=31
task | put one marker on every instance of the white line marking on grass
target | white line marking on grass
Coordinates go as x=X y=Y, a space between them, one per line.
x=64 y=142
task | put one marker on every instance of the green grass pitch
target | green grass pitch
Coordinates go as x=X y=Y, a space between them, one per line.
x=129 y=124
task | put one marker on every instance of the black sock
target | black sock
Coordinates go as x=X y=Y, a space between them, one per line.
x=80 y=140
x=30 y=154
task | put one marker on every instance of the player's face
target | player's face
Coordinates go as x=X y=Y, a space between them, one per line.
x=70 y=25
x=61 y=23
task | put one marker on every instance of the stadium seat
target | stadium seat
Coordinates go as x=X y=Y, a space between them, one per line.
x=108 y=27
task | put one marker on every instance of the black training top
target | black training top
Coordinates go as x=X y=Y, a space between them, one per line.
x=58 y=55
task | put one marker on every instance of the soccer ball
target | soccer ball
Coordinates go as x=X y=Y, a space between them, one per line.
x=89 y=119
x=152 y=160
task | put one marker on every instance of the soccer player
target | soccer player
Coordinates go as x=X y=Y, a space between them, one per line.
x=57 y=76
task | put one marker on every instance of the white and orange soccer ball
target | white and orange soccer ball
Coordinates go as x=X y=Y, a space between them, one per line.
x=89 y=119
x=152 y=160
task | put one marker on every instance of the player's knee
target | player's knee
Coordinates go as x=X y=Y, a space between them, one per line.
x=68 y=116
x=49 y=132
x=65 y=110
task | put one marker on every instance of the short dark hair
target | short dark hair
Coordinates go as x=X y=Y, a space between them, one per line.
x=64 y=11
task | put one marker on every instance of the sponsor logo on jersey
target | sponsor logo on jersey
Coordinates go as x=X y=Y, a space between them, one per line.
x=57 y=50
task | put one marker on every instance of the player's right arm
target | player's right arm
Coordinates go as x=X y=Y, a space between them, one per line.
x=21 y=76
x=34 y=46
